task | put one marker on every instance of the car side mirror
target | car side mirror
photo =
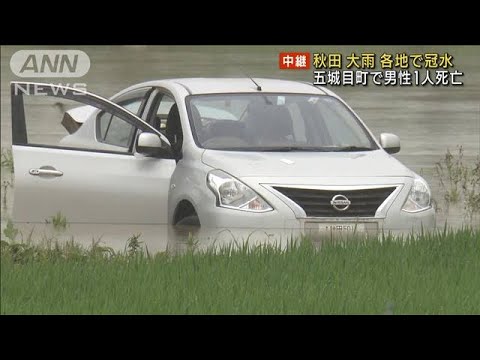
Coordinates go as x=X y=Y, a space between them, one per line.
x=390 y=143
x=150 y=144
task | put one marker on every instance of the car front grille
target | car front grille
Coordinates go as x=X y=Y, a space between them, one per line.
x=317 y=203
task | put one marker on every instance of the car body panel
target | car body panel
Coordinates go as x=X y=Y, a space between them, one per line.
x=306 y=164
x=94 y=188
x=195 y=86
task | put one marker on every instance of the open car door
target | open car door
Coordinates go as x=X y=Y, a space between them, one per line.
x=92 y=175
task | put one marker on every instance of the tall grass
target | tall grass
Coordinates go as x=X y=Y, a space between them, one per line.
x=459 y=182
x=436 y=274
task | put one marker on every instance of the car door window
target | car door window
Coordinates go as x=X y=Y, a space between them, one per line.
x=114 y=131
x=132 y=106
x=58 y=121
x=161 y=116
x=166 y=119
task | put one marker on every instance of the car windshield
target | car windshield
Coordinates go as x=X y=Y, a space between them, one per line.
x=276 y=122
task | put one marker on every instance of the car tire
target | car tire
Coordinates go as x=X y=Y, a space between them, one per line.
x=191 y=220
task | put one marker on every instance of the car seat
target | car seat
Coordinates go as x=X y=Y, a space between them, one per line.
x=173 y=131
x=268 y=124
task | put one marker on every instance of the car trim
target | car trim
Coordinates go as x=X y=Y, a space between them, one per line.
x=154 y=101
x=69 y=148
x=186 y=88
x=380 y=213
x=316 y=87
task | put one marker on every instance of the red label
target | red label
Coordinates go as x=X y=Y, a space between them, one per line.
x=294 y=60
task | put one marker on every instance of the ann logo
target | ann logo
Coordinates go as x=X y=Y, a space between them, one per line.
x=50 y=63
x=58 y=64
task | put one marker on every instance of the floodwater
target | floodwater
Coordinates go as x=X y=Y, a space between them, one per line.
x=429 y=120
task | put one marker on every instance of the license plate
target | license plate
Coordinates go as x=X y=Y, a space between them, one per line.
x=340 y=228
x=349 y=228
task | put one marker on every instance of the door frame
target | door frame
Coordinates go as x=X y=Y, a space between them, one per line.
x=19 y=129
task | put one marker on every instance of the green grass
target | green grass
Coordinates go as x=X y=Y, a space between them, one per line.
x=437 y=274
x=59 y=221
x=459 y=182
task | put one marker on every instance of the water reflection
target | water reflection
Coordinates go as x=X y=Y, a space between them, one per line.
x=429 y=120
x=177 y=239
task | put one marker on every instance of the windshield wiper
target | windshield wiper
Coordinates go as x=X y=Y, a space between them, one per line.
x=297 y=148
x=315 y=148
x=279 y=148
x=351 y=148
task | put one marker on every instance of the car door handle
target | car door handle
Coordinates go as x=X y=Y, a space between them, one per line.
x=45 y=172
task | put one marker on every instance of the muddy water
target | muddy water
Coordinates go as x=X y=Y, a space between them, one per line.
x=429 y=120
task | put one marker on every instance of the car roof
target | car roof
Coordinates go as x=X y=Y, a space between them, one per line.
x=239 y=85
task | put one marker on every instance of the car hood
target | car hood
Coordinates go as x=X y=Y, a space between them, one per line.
x=375 y=163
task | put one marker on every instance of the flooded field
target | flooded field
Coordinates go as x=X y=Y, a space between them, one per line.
x=429 y=120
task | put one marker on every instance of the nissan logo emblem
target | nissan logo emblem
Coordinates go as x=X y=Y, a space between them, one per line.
x=340 y=202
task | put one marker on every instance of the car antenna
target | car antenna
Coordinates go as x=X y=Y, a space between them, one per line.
x=259 y=88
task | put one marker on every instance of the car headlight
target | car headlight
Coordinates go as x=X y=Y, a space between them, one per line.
x=233 y=194
x=419 y=197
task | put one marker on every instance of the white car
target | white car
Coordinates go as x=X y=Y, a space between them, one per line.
x=216 y=153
